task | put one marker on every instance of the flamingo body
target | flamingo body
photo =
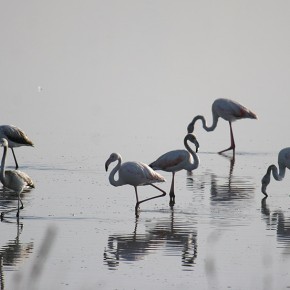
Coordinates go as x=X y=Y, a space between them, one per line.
x=228 y=110
x=15 y=180
x=231 y=110
x=15 y=138
x=138 y=173
x=173 y=161
x=133 y=173
x=176 y=160
x=283 y=163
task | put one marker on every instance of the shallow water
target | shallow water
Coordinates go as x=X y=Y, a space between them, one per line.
x=78 y=232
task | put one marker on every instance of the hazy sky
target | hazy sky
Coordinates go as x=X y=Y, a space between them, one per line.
x=144 y=68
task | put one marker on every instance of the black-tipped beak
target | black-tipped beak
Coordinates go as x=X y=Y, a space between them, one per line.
x=264 y=190
x=106 y=165
x=196 y=146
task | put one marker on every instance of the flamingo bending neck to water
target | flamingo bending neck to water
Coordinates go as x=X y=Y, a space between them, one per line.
x=230 y=111
x=15 y=138
x=133 y=173
x=177 y=160
x=15 y=180
x=283 y=163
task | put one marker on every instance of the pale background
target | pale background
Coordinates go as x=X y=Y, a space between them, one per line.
x=86 y=78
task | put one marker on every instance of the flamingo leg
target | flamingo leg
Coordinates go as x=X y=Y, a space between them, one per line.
x=16 y=164
x=138 y=202
x=171 y=193
x=233 y=145
x=19 y=207
x=14 y=209
x=7 y=211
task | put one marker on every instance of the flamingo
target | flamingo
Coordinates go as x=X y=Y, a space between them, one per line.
x=283 y=163
x=177 y=160
x=15 y=180
x=230 y=111
x=15 y=137
x=133 y=173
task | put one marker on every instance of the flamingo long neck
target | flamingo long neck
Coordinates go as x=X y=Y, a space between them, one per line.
x=204 y=125
x=113 y=181
x=2 y=172
x=195 y=163
x=278 y=176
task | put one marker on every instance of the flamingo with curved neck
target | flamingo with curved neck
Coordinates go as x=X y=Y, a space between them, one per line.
x=133 y=173
x=230 y=111
x=177 y=160
x=15 y=180
x=283 y=163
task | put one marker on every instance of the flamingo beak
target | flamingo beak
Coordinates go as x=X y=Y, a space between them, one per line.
x=107 y=165
x=263 y=189
x=196 y=146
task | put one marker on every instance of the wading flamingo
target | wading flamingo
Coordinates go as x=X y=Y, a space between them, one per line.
x=283 y=163
x=133 y=173
x=228 y=110
x=15 y=137
x=15 y=180
x=177 y=160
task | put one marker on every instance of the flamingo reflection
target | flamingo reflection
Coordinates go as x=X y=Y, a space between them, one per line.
x=13 y=252
x=8 y=198
x=172 y=234
x=276 y=220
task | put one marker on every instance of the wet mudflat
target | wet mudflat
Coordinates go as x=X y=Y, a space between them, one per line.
x=78 y=232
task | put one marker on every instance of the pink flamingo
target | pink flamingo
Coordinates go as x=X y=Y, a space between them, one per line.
x=228 y=110
x=15 y=180
x=133 y=173
x=177 y=160
x=283 y=163
x=15 y=137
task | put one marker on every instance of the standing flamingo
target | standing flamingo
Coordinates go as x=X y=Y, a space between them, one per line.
x=177 y=160
x=15 y=180
x=228 y=110
x=133 y=173
x=15 y=137
x=283 y=163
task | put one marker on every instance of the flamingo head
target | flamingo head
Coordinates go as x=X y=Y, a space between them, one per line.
x=113 y=157
x=192 y=138
x=190 y=128
x=265 y=181
x=3 y=142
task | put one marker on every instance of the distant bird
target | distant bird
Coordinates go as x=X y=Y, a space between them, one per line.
x=15 y=137
x=283 y=163
x=177 y=160
x=133 y=173
x=15 y=180
x=228 y=110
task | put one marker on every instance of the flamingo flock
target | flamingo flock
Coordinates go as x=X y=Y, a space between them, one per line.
x=137 y=173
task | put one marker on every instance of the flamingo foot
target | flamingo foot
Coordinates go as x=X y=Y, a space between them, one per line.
x=172 y=199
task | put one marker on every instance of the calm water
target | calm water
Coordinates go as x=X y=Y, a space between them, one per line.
x=87 y=80
x=78 y=232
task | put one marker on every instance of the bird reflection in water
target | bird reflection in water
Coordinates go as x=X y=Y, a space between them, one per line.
x=13 y=252
x=276 y=220
x=8 y=199
x=233 y=187
x=175 y=236
x=223 y=188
